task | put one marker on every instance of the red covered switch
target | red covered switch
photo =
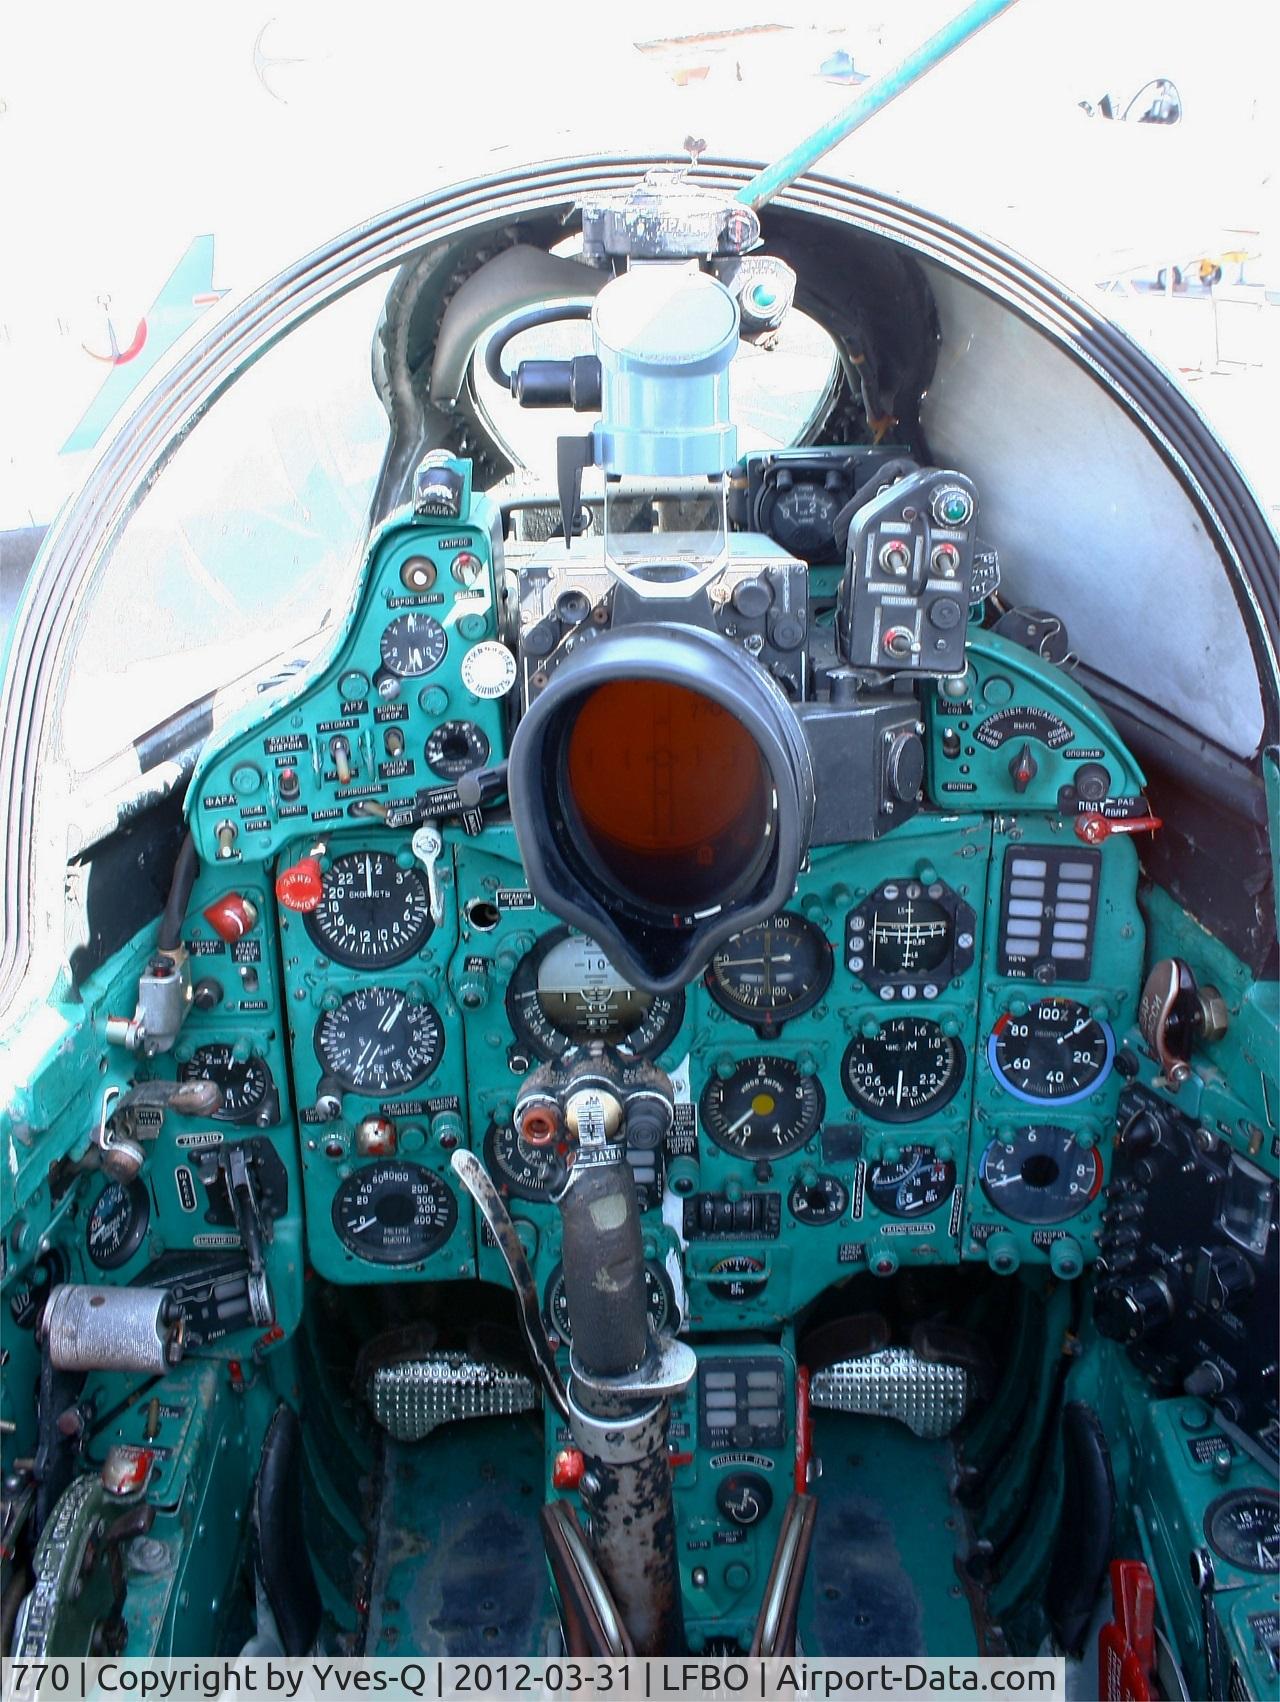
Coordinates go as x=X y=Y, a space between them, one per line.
x=567 y=1468
x=231 y=916
x=1126 y=1645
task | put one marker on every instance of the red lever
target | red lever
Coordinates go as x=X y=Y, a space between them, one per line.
x=1126 y=1644
x=302 y=886
x=1094 y=829
x=231 y=916
x=804 y=1434
x=567 y=1469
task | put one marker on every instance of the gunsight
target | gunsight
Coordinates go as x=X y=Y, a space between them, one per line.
x=688 y=729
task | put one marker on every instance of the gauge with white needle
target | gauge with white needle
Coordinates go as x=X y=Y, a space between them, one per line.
x=764 y=1108
x=376 y=1041
x=907 y=1069
x=770 y=973
x=1057 y=1051
x=391 y=1213
x=372 y=912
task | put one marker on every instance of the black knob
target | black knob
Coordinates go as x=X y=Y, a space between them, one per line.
x=1132 y=1310
x=1093 y=782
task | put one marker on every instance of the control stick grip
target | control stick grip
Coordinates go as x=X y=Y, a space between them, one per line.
x=604 y=1263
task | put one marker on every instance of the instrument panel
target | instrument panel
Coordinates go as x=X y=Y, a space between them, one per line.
x=916 y=1061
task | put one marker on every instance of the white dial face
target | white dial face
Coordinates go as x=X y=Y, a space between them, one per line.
x=488 y=670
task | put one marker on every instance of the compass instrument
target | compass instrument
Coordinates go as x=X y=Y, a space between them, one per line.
x=1057 y=1051
x=913 y=1184
x=1042 y=1176
x=772 y=972
x=565 y=992
x=394 y=1214
x=372 y=914
x=908 y=940
x=248 y=1090
x=906 y=1071
x=413 y=645
x=764 y=1108
x=377 y=1041
x=118 y=1223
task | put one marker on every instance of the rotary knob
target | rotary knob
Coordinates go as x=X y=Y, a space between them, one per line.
x=1132 y=1310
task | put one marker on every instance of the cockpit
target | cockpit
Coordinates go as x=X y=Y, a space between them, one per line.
x=694 y=1067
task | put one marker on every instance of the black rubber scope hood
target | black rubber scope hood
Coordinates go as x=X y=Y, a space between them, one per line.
x=659 y=952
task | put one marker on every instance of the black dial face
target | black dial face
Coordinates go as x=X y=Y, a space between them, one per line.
x=412 y=645
x=1042 y=1176
x=1243 y=1528
x=372 y=914
x=522 y=1171
x=565 y=992
x=909 y=1070
x=913 y=1184
x=764 y=1109
x=1056 y=1051
x=771 y=972
x=455 y=748
x=803 y=519
x=376 y=1042
x=394 y=1214
x=246 y=1083
x=824 y=1200
x=118 y=1223
x=658 y=1298
x=908 y=940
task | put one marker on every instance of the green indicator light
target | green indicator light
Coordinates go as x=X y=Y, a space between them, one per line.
x=955 y=509
x=763 y=297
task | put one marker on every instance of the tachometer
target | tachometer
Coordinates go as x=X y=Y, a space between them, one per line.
x=377 y=1042
x=772 y=972
x=248 y=1091
x=906 y=1071
x=1056 y=1051
x=764 y=1109
x=1042 y=1176
x=412 y=645
x=372 y=913
x=394 y=1214
x=564 y=992
x=916 y=1182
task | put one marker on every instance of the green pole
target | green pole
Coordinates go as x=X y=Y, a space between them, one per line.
x=868 y=101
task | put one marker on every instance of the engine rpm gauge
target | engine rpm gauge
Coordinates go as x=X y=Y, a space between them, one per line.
x=565 y=992
x=248 y=1091
x=394 y=1214
x=1043 y=1175
x=520 y=1170
x=1057 y=1051
x=764 y=1108
x=118 y=1223
x=916 y=1182
x=372 y=913
x=377 y=1042
x=772 y=972
x=1243 y=1528
x=413 y=645
x=908 y=1070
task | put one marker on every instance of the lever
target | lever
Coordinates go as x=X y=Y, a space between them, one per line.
x=1175 y=1013
x=427 y=845
x=1093 y=829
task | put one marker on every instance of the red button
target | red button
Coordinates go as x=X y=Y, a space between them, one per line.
x=567 y=1468
x=302 y=886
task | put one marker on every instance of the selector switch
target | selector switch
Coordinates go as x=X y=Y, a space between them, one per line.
x=744 y=1498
